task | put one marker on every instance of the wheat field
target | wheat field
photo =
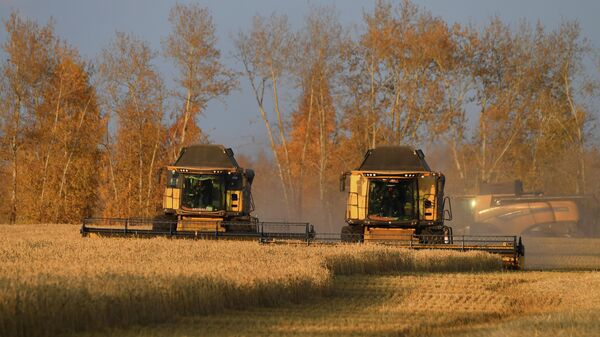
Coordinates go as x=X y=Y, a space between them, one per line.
x=498 y=304
x=53 y=281
x=557 y=253
x=550 y=300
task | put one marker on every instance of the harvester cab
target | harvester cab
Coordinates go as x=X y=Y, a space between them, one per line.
x=394 y=194
x=206 y=188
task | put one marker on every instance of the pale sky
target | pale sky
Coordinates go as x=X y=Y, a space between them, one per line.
x=90 y=25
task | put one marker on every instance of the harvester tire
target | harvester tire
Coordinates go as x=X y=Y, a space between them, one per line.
x=164 y=223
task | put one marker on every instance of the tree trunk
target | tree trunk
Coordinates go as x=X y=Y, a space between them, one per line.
x=114 y=183
x=303 y=155
x=151 y=169
x=49 y=152
x=13 y=199
x=456 y=159
x=580 y=189
x=140 y=173
x=322 y=144
x=69 y=155
x=483 y=139
x=186 y=118
x=15 y=171
x=372 y=110
x=259 y=95
x=287 y=174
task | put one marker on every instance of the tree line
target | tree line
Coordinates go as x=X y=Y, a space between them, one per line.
x=493 y=103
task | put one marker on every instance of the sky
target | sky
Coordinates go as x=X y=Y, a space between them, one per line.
x=234 y=120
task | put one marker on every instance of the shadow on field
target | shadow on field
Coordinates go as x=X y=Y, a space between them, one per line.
x=360 y=305
x=415 y=304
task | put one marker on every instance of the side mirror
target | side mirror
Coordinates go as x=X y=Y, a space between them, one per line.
x=427 y=203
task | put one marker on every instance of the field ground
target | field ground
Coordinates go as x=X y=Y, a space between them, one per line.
x=552 y=301
x=482 y=304
x=562 y=253
x=52 y=281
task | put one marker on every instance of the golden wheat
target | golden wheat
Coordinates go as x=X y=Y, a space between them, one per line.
x=417 y=304
x=562 y=253
x=52 y=280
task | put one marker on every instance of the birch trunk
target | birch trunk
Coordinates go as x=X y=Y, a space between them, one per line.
x=259 y=96
x=14 y=155
x=304 y=148
x=287 y=174
x=49 y=152
x=69 y=157
x=151 y=169
x=580 y=189
x=186 y=118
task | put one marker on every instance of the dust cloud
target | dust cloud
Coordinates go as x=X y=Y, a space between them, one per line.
x=270 y=206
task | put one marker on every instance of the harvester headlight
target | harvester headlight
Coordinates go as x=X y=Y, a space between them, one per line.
x=473 y=203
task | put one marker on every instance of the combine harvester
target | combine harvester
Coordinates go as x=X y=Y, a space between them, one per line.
x=503 y=208
x=394 y=198
x=207 y=195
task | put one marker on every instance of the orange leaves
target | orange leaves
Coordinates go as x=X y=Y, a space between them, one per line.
x=54 y=160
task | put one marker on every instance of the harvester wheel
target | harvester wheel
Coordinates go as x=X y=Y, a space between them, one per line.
x=164 y=223
x=352 y=234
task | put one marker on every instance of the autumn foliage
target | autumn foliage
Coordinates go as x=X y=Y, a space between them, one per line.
x=491 y=103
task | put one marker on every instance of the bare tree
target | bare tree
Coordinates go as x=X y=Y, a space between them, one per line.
x=202 y=77
x=265 y=53
x=570 y=50
x=324 y=38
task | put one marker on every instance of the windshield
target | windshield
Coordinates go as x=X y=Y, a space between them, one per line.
x=203 y=191
x=392 y=199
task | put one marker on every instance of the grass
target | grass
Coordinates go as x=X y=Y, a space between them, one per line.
x=53 y=281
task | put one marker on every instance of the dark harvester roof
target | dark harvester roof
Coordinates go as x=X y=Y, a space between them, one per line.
x=394 y=158
x=206 y=156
